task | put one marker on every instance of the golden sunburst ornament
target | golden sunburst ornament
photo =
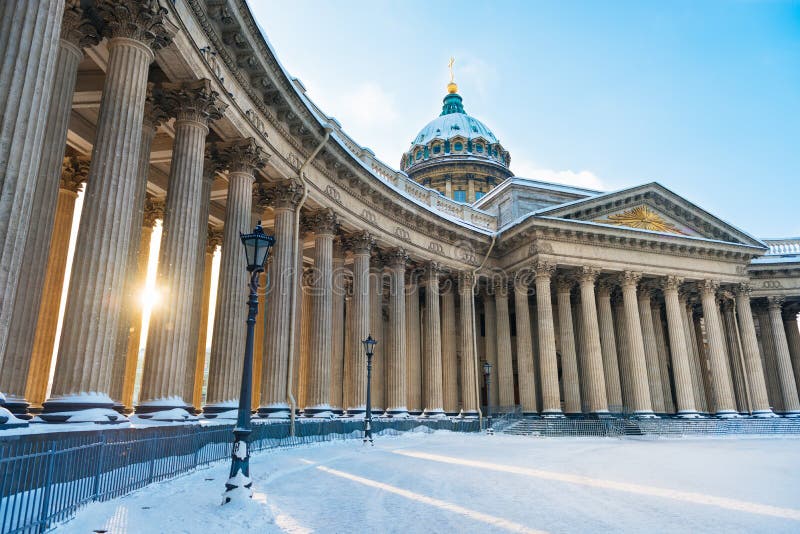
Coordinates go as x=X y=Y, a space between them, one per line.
x=643 y=218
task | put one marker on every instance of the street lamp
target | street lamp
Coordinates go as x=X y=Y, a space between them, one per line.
x=487 y=374
x=369 y=346
x=256 y=247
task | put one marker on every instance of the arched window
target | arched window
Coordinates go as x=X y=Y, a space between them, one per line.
x=459 y=195
x=437 y=149
x=458 y=146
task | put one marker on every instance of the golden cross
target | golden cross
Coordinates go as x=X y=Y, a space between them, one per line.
x=450 y=65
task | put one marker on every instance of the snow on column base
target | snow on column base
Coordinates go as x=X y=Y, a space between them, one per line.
x=553 y=415
x=727 y=414
x=645 y=415
x=7 y=420
x=397 y=413
x=319 y=412
x=793 y=413
x=81 y=408
x=173 y=415
x=357 y=412
x=763 y=414
x=601 y=414
x=274 y=411
x=434 y=414
x=16 y=405
x=471 y=414
x=222 y=410
x=689 y=414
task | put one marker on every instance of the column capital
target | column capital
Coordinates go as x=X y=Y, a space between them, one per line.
x=706 y=287
x=433 y=269
x=605 y=286
x=564 y=283
x=588 y=275
x=360 y=243
x=242 y=155
x=726 y=305
x=154 y=114
x=321 y=222
x=286 y=194
x=775 y=302
x=630 y=279
x=194 y=101
x=211 y=163
x=465 y=282
x=743 y=289
x=76 y=29
x=144 y=21
x=214 y=239
x=74 y=171
x=543 y=269
x=153 y=209
x=644 y=292
x=501 y=288
x=396 y=258
x=671 y=283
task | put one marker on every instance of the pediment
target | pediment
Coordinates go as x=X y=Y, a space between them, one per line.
x=651 y=208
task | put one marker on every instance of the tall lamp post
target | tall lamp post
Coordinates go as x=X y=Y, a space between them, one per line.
x=487 y=374
x=369 y=346
x=256 y=245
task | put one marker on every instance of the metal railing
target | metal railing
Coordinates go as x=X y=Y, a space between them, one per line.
x=46 y=478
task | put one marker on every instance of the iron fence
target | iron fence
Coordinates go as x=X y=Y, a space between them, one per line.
x=46 y=478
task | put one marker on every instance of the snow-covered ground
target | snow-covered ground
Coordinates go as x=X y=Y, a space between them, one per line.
x=449 y=482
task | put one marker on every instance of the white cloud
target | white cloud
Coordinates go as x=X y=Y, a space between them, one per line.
x=584 y=178
x=367 y=105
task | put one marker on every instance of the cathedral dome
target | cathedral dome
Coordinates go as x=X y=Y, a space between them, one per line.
x=454 y=135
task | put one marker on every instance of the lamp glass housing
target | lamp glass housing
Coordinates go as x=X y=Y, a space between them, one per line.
x=257 y=245
x=369 y=345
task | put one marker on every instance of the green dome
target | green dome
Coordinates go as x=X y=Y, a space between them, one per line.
x=454 y=122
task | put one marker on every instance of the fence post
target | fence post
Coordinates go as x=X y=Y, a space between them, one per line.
x=152 y=459
x=48 y=483
x=99 y=472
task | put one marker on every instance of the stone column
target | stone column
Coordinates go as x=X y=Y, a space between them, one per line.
x=642 y=404
x=580 y=351
x=663 y=356
x=213 y=240
x=83 y=373
x=241 y=158
x=396 y=336
x=29 y=42
x=505 y=365
x=258 y=344
x=793 y=337
x=569 y=358
x=361 y=245
x=695 y=353
x=681 y=367
x=153 y=210
x=490 y=347
x=548 y=361
x=525 y=372
x=598 y=402
x=376 y=328
x=650 y=350
x=768 y=357
x=432 y=353
x=167 y=355
x=324 y=224
x=348 y=343
x=623 y=351
x=734 y=355
x=791 y=404
x=449 y=357
x=303 y=338
x=76 y=33
x=73 y=174
x=724 y=405
x=414 y=364
x=759 y=401
x=608 y=347
x=284 y=198
x=469 y=378
x=338 y=328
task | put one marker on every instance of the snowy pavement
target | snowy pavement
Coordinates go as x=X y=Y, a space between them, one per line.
x=448 y=482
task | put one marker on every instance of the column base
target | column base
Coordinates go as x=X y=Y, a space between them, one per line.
x=727 y=414
x=172 y=410
x=552 y=415
x=792 y=413
x=222 y=410
x=648 y=414
x=689 y=414
x=82 y=408
x=319 y=412
x=415 y=413
x=274 y=411
x=600 y=415
x=764 y=414
x=434 y=414
x=397 y=413
x=358 y=411
x=451 y=414
x=16 y=405
x=470 y=414
x=8 y=420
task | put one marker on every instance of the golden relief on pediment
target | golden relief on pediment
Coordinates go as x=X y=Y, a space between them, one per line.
x=643 y=218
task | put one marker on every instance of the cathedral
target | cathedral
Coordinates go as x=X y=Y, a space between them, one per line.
x=585 y=303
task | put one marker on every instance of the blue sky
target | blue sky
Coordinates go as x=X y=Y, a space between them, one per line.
x=701 y=96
